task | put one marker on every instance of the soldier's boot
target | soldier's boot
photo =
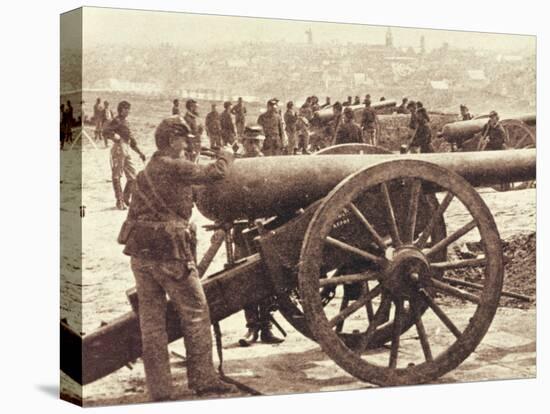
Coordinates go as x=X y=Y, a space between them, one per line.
x=267 y=336
x=216 y=387
x=128 y=190
x=118 y=194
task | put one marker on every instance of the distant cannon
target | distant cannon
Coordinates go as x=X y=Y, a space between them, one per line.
x=372 y=226
x=465 y=135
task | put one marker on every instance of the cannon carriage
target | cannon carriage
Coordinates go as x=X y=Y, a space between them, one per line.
x=366 y=229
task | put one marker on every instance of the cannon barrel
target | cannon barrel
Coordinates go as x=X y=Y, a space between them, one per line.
x=270 y=186
x=465 y=129
x=324 y=116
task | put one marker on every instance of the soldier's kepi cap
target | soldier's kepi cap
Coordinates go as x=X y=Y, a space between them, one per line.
x=273 y=102
x=174 y=126
x=253 y=132
x=493 y=114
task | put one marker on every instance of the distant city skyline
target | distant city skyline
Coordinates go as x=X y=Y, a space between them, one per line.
x=148 y=28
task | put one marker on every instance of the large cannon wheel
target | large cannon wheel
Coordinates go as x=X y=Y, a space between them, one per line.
x=406 y=276
x=290 y=305
x=518 y=134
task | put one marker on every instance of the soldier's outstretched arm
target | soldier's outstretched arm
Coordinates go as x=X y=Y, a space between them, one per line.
x=191 y=173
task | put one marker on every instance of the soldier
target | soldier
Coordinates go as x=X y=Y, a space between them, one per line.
x=239 y=111
x=369 y=121
x=420 y=105
x=99 y=118
x=193 y=121
x=107 y=117
x=272 y=125
x=402 y=109
x=176 y=107
x=227 y=125
x=493 y=136
x=62 y=125
x=422 y=139
x=162 y=245
x=258 y=316
x=327 y=103
x=411 y=106
x=302 y=134
x=348 y=102
x=349 y=132
x=214 y=127
x=315 y=104
x=306 y=109
x=465 y=112
x=290 y=119
x=69 y=122
x=367 y=97
x=335 y=122
x=121 y=161
x=357 y=101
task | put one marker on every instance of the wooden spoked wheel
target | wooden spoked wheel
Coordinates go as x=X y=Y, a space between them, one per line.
x=402 y=276
x=518 y=134
x=349 y=227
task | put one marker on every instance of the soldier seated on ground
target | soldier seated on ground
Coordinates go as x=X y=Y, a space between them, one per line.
x=493 y=136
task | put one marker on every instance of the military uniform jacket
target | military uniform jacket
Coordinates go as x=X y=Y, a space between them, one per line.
x=349 y=132
x=212 y=123
x=496 y=135
x=194 y=123
x=422 y=138
x=272 y=124
x=121 y=127
x=228 y=128
x=157 y=226
x=368 y=119
x=240 y=113
x=290 y=120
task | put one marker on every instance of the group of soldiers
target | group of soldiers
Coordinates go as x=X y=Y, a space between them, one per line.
x=102 y=114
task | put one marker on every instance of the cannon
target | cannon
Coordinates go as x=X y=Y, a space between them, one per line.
x=520 y=132
x=370 y=224
x=324 y=116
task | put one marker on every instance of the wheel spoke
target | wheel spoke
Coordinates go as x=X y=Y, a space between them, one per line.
x=459 y=264
x=452 y=291
x=351 y=249
x=423 y=238
x=391 y=216
x=380 y=317
x=377 y=239
x=422 y=336
x=451 y=238
x=440 y=314
x=410 y=223
x=368 y=306
x=396 y=334
x=353 y=278
x=359 y=303
x=343 y=306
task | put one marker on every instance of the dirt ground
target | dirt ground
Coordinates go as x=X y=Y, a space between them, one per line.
x=297 y=365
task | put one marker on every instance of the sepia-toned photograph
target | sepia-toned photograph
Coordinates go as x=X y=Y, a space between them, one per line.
x=259 y=206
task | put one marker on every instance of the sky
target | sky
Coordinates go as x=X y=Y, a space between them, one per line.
x=121 y=26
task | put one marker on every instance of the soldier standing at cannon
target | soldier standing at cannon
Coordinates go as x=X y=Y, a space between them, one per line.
x=335 y=122
x=258 y=316
x=162 y=245
x=349 y=132
x=227 y=125
x=213 y=127
x=239 y=110
x=290 y=118
x=326 y=104
x=369 y=121
x=121 y=161
x=422 y=139
x=193 y=121
x=465 y=113
x=402 y=109
x=272 y=125
x=493 y=135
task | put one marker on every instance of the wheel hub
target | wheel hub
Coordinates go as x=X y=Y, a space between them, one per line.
x=407 y=267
